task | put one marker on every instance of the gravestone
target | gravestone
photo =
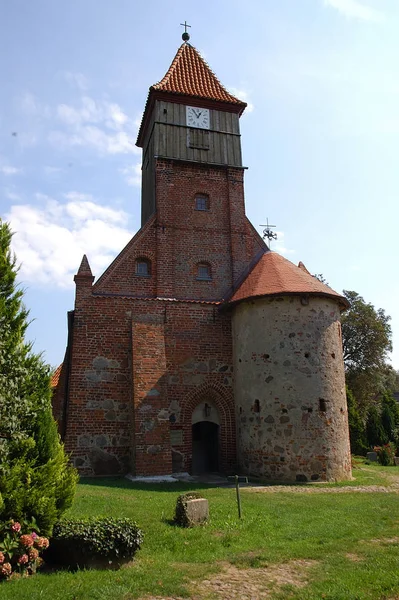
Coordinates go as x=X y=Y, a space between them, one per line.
x=372 y=456
x=191 y=510
x=197 y=511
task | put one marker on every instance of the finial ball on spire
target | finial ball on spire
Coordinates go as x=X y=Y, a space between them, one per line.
x=185 y=36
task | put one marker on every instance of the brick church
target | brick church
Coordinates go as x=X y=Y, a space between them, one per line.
x=198 y=349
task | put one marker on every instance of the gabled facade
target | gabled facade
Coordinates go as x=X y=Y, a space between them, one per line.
x=152 y=382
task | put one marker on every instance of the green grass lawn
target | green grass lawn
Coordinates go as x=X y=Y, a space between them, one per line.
x=350 y=540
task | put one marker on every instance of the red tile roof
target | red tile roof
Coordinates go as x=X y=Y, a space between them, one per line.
x=55 y=377
x=190 y=75
x=275 y=275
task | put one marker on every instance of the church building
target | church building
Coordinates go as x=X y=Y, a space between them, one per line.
x=198 y=349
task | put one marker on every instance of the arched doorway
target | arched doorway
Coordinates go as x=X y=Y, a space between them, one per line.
x=205 y=439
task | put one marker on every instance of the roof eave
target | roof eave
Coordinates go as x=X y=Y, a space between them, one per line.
x=342 y=301
x=154 y=94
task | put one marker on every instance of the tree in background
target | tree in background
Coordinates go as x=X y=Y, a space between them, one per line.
x=375 y=432
x=367 y=341
x=35 y=478
x=390 y=416
x=357 y=427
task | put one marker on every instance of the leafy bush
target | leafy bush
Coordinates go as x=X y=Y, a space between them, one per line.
x=181 y=517
x=385 y=454
x=20 y=548
x=80 y=542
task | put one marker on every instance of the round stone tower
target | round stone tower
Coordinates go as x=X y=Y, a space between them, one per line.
x=292 y=422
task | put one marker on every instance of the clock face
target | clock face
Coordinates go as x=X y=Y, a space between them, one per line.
x=197 y=117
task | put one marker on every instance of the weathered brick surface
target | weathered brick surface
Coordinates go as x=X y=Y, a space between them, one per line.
x=145 y=351
x=139 y=363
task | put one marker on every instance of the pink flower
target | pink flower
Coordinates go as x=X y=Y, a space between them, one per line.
x=33 y=554
x=23 y=559
x=1 y=557
x=16 y=527
x=6 y=569
x=42 y=543
x=26 y=540
x=34 y=535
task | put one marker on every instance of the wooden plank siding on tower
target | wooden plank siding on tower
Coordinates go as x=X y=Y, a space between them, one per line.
x=171 y=136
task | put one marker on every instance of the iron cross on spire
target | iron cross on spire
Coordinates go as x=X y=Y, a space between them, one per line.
x=268 y=233
x=185 y=36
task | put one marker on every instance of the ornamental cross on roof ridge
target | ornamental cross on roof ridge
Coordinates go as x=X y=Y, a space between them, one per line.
x=185 y=36
x=268 y=233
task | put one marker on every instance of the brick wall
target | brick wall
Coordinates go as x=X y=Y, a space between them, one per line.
x=138 y=370
x=140 y=364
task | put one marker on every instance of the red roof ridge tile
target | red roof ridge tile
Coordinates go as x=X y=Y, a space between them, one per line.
x=302 y=266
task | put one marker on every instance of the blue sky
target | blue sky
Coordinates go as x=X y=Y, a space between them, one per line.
x=320 y=136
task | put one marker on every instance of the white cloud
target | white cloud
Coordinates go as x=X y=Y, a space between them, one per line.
x=76 y=79
x=89 y=111
x=49 y=170
x=32 y=107
x=244 y=96
x=94 y=137
x=11 y=194
x=355 y=9
x=279 y=245
x=100 y=125
x=132 y=174
x=27 y=139
x=50 y=238
x=8 y=170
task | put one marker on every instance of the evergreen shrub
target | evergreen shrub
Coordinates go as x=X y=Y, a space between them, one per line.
x=89 y=542
x=36 y=480
x=386 y=454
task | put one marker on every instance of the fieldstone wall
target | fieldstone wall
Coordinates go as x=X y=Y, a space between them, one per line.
x=289 y=386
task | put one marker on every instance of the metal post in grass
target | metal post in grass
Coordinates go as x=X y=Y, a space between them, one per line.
x=238 y=497
x=237 y=479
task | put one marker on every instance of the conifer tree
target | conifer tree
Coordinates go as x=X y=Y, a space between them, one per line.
x=390 y=416
x=35 y=478
x=357 y=428
x=376 y=435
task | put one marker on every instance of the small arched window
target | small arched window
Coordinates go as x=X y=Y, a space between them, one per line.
x=201 y=202
x=143 y=267
x=204 y=271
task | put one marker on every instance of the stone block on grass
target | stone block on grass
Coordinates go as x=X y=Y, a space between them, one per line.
x=191 y=510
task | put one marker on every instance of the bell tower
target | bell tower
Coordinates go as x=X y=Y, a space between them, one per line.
x=192 y=180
